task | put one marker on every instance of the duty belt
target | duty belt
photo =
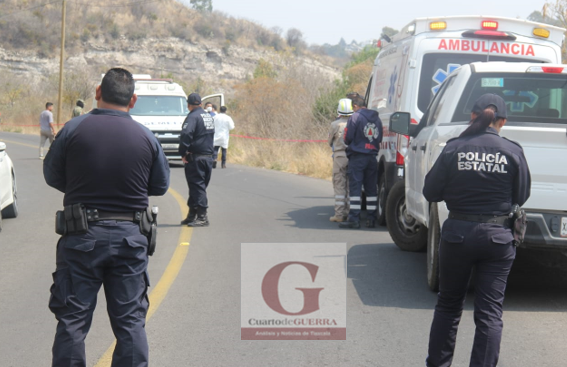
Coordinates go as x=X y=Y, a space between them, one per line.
x=501 y=220
x=202 y=155
x=94 y=215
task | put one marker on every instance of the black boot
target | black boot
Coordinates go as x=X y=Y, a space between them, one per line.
x=223 y=165
x=354 y=225
x=214 y=164
x=201 y=220
x=191 y=214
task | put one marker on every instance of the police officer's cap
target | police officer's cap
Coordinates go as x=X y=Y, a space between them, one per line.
x=194 y=99
x=490 y=99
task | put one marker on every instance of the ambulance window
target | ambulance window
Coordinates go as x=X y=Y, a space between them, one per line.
x=367 y=96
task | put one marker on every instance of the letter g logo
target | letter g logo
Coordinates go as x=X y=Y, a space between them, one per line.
x=271 y=295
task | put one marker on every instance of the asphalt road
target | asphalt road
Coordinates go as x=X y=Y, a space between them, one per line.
x=389 y=308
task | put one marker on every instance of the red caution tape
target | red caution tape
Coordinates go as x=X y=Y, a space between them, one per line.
x=287 y=140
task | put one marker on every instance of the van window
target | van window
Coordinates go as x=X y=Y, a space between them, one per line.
x=160 y=106
x=539 y=98
x=440 y=100
x=436 y=67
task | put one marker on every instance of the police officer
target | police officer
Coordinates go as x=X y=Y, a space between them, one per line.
x=340 y=161
x=196 y=150
x=109 y=164
x=479 y=175
x=363 y=135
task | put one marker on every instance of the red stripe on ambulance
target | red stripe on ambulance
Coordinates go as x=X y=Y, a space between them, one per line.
x=506 y=48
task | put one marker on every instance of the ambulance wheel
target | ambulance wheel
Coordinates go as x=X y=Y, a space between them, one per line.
x=381 y=205
x=405 y=230
x=433 y=249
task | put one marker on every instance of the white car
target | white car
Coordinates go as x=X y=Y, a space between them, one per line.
x=536 y=99
x=8 y=191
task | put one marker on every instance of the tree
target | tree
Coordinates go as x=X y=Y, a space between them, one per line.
x=294 y=37
x=202 y=5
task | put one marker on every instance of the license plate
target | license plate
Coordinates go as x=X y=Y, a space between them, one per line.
x=564 y=227
x=170 y=146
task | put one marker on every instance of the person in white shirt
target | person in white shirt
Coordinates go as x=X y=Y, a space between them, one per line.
x=223 y=125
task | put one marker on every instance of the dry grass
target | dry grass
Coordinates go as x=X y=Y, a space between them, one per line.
x=309 y=159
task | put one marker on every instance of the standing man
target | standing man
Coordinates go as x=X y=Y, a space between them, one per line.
x=363 y=135
x=47 y=129
x=340 y=160
x=196 y=150
x=78 y=110
x=223 y=125
x=107 y=165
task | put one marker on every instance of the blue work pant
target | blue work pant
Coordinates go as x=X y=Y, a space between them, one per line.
x=362 y=170
x=464 y=246
x=112 y=254
x=198 y=174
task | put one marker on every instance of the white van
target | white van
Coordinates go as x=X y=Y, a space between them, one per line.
x=162 y=107
x=408 y=72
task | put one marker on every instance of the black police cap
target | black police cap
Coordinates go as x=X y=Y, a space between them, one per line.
x=490 y=99
x=194 y=99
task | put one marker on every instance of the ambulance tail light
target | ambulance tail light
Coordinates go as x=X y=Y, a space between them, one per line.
x=437 y=26
x=487 y=34
x=489 y=25
x=541 y=32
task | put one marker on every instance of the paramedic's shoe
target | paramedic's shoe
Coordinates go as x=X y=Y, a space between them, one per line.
x=353 y=225
x=337 y=219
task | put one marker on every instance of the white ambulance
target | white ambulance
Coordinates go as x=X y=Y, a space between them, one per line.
x=408 y=72
x=162 y=107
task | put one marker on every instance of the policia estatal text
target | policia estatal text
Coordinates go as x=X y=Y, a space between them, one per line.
x=107 y=165
x=479 y=175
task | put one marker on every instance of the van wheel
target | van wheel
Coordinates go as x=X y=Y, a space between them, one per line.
x=406 y=232
x=381 y=215
x=433 y=249
x=11 y=211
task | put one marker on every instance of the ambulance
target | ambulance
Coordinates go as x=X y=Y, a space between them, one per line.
x=162 y=108
x=408 y=71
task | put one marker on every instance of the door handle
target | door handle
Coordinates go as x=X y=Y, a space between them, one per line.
x=423 y=147
x=414 y=147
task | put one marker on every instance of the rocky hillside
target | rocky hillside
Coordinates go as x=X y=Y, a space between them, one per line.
x=162 y=38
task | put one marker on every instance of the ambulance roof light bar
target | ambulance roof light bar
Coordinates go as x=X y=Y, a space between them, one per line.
x=437 y=26
x=490 y=25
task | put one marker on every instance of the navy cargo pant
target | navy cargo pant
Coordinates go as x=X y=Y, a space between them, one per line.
x=362 y=170
x=198 y=174
x=465 y=245
x=112 y=254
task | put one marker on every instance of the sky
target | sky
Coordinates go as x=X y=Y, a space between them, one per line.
x=326 y=21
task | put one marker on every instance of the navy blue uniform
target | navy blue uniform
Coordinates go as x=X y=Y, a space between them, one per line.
x=363 y=134
x=479 y=175
x=197 y=138
x=106 y=161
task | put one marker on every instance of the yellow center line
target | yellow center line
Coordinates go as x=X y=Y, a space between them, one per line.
x=171 y=272
x=18 y=143
x=169 y=275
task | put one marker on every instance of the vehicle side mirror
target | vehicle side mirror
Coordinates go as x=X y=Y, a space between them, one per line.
x=2 y=147
x=400 y=123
